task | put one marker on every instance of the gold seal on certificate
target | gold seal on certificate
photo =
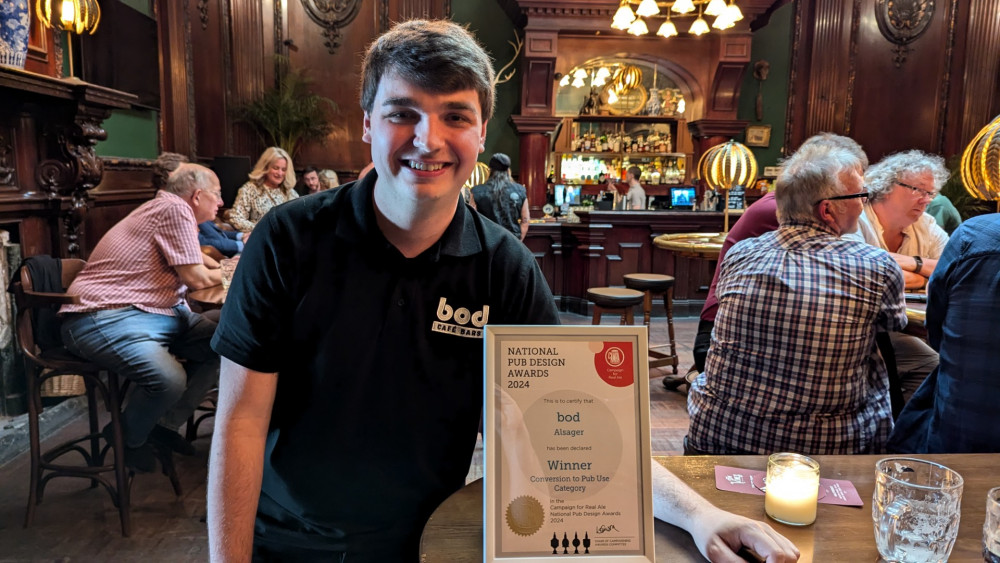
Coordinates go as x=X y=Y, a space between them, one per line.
x=525 y=515
x=567 y=454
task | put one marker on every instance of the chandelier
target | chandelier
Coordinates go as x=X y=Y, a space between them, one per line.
x=632 y=20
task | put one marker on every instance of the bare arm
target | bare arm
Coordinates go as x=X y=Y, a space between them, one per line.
x=236 y=463
x=907 y=264
x=525 y=219
x=717 y=533
x=197 y=276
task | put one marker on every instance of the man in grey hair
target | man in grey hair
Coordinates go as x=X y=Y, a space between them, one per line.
x=792 y=364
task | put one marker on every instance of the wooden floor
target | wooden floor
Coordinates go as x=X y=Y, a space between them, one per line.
x=79 y=524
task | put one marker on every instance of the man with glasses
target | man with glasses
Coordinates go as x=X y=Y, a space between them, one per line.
x=793 y=364
x=132 y=318
x=901 y=186
x=761 y=217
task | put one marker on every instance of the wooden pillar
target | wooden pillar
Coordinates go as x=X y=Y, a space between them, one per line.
x=534 y=135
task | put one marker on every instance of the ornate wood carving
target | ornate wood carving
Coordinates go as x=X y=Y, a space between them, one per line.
x=8 y=174
x=332 y=16
x=203 y=13
x=902 y=22
x=76 y=171
x=982 y=59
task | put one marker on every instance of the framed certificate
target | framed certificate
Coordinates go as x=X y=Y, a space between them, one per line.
x=566 y=444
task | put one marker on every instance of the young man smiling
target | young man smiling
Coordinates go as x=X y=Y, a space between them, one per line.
x=369 y=301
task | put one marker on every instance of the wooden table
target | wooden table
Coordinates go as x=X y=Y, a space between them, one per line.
x=208 y=298
x=841 y=533
x=916 y=314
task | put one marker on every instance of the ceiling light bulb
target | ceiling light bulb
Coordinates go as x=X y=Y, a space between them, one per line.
x=715 y=7
x=623 y=17
x=699 y=27
x=603 y=73
x=638 y=27
x=580 y=73
x=668 y=29
x=733 y=13
x=723 y=22
x=647 y=8
x=612 y=97
x=578 y=82
x=564 y=81
x=683 y=6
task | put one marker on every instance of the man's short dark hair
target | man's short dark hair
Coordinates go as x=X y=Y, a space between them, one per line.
x=636 y=172
x=163 y=166
x=436 y=55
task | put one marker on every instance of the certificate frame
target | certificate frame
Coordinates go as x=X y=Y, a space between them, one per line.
x=584 y=391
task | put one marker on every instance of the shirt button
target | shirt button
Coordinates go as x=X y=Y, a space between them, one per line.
x=400 y=302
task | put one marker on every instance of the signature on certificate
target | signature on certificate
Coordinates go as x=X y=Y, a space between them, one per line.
x=606 y=528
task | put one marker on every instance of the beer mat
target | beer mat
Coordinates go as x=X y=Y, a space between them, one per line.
x=751 y=482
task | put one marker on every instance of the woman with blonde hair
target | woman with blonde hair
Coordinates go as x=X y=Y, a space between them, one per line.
x=272 y=182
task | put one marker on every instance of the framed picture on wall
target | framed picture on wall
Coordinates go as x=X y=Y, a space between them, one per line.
x=758 y=135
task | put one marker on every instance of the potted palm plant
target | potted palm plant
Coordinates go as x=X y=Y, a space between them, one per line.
x=289 y=114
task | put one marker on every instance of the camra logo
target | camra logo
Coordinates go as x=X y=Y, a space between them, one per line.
x=461 y=319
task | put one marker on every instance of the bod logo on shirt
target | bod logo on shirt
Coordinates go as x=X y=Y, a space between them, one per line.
x=461 y=317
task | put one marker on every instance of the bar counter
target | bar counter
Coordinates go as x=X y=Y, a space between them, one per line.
x=605 y=245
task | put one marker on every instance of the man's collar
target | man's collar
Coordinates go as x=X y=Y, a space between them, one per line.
x=460 y=238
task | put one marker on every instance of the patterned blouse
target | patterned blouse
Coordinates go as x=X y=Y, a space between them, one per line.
x=253 y=201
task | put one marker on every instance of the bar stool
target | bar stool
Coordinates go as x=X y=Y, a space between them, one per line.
x=651 y=284
x=616 y=300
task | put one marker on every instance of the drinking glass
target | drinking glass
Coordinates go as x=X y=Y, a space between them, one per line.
x=228 y=266
x=792 y=488
x=916 y=509
x=991 y=527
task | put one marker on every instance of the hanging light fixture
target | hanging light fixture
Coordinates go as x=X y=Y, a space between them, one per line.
x=647 y=8
x=722 y=21
x=700 y=26
x=623 y=17
x=733 y=12
x=667 y=29
x=683 y=6
x=715 y=7
x=638 y=27
x=981 y=164
x=635 y=22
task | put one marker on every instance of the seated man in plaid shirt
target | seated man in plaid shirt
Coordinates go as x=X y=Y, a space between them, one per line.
x=793 y=364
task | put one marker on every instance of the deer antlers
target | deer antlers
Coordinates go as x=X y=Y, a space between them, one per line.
x=500 y=76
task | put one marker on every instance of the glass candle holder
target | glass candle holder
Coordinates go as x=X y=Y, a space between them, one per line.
x=991 y=527
x=792 y=488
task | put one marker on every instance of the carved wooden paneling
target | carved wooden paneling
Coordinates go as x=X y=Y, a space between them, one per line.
x=209 y=80
x=981 y=93
x=251 y=51
x=828 y=87
x=848 y=77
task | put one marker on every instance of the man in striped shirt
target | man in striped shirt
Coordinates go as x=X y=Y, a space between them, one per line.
x=793 y=364
x=132 y=318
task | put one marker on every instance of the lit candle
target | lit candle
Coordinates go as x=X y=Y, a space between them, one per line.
x=792 y=489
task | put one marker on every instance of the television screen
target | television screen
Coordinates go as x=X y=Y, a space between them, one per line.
x=682 y=197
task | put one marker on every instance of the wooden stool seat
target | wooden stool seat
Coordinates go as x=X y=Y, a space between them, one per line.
x=617 y=300
x=658 y=284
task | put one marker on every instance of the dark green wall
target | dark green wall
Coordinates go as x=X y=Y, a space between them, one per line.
x=491 y=26
x=774 y=45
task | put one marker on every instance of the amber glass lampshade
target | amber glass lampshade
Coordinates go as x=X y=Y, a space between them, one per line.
x=981 y=164
x=726 y=165
x=78 y=16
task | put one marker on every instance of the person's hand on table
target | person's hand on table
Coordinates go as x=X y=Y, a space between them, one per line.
x=719 y=535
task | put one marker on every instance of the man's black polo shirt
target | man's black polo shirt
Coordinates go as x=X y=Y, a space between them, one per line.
x=380 y=362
